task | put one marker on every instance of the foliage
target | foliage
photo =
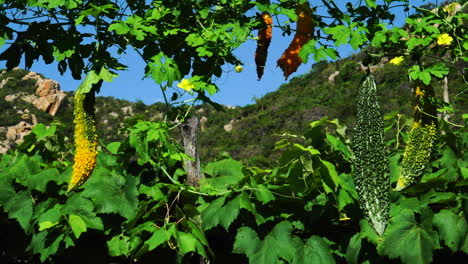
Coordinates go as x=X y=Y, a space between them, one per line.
x=139 y=206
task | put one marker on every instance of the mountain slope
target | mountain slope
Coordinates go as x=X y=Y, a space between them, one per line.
x=249 y=132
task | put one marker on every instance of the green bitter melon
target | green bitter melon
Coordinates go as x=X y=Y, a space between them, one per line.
x=372 y=171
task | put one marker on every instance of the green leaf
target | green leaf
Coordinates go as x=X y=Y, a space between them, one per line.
x=279 y=243
x=107 y=75
x=160 y=236
x=187 y=242
x=40 y=180
x=49 y=218
x=315 y=250
x=46 y=244
x=353 y=249
x=46 y=225
x=338 y=145
x=307 y=49
x=371 y=3
x=83 y=207
x=164 y=69
x=119 y=27
x=340 y=33
x=113 y=147
x=20 y=207
x=452 y=228
x=409 y=240
x=42 y=131
x=263 y=194
x=154 y=192
x=224 y=173
x=439 y=70
x=119 y=246
x=77 y=225
x=91 y=78
x=113 y=192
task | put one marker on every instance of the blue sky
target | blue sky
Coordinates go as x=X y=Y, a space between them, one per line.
x=236 y=89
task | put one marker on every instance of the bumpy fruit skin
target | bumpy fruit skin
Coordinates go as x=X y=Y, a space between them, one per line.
x=372 y=170
x=421 y=138
x=290 y=60
x=263 y=42
x=85 y=139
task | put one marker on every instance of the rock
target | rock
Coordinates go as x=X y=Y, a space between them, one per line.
x=127 y=110
x=49 y=96
x=228 y=127
x=11 y=133
x=32 y=75
x=11 y=97
x=332 y=76
x=4 y=81
x=203 y=121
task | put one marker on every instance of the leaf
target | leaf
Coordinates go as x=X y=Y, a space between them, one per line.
x=164 y=69
x=49 y=218
x=113 y=147
x=160 y=236
x=107 y=75
x=219 y=213
x=20 y=207
x=91 y=78
x=338 y=145
x=439 y=70
x=46 y=244
x=452 y=228
x=340 y=33
x=187 y=242
x=315 y=250
x=40 y=180
x=77 y=225
x=263 y=194
x=279 y=243
x=409 y=240
x=353 y=249
x=84 y=208
x=224 y=173
x=371 y=3
x=113 y=192
x=154 y=192
x=119 y=246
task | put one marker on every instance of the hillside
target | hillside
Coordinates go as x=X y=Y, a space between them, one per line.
x=330 y=89
x=247 y=133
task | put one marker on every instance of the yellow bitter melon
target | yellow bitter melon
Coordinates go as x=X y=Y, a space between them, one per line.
x=85 y=139
x=372 y=170
x=421 y=138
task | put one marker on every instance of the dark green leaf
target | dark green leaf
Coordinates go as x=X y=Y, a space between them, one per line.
x=409 y=240
x=452 y=228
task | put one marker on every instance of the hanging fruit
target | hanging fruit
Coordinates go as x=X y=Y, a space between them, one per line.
x=290 y=60
x=263 y=42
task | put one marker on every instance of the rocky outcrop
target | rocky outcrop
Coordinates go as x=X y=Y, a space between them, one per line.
x=14 y=135
x=47 y=97
x=48 y=93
